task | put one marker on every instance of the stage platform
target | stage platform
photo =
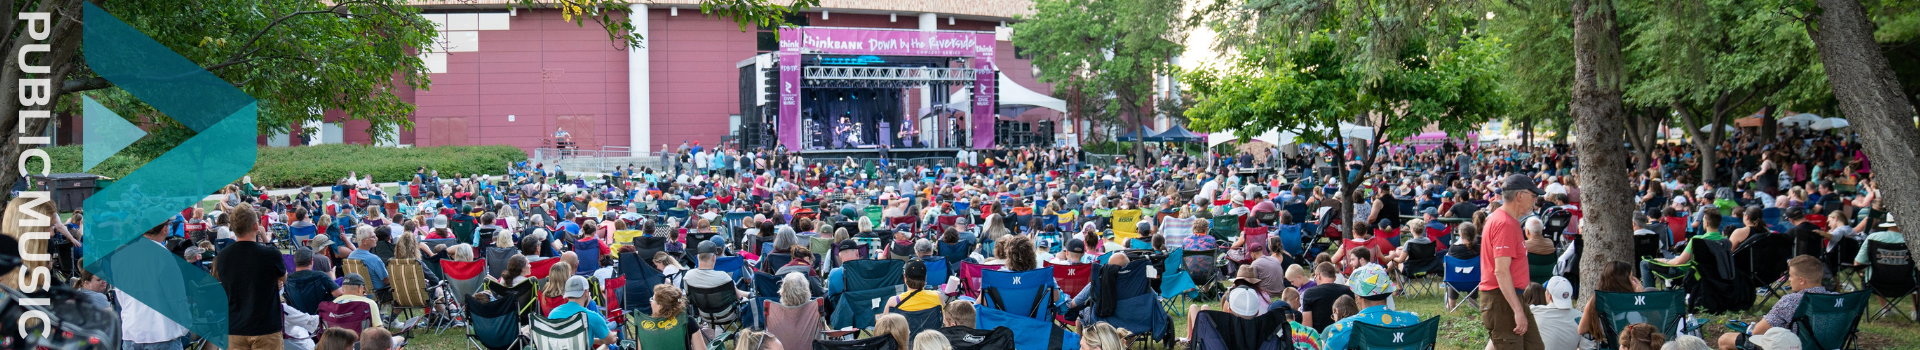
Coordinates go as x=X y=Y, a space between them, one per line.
x=867 y=153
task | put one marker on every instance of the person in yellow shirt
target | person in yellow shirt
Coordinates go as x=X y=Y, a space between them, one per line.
x=916 y=298
x=353 y=288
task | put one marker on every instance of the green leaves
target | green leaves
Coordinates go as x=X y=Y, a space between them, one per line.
x=1105 y=50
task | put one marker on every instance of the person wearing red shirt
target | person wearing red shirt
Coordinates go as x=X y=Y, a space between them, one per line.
x=1503 y=266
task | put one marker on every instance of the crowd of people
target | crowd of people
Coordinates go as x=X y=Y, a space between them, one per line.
x=780 y=231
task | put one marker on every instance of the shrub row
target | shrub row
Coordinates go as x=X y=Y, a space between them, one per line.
x=323 y=165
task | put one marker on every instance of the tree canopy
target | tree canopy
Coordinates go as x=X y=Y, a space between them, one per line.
x=1103 y=50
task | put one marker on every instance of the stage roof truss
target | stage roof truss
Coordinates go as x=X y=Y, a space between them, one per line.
x=921 y=74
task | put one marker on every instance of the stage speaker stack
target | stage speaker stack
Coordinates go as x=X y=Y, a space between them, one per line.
x=1043 y=133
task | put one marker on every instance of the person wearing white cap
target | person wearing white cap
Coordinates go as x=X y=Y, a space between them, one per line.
x=1557 y=317
x=576 y=293
x=1888 y=234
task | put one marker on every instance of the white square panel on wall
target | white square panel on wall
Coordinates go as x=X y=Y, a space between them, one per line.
x=494 y=21
x=439 y=20
x=463 y=21
x=436 y=62
x=463 y=41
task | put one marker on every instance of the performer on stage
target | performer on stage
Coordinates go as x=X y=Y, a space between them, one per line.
x=843 y=133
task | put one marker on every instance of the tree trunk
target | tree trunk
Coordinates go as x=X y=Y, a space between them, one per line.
x=1769 y=123
x=1864 y=84
x=64 y=39
x=1597 y=111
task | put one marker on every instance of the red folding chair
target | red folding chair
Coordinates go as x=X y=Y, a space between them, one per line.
x=970 y=278
x=913 y=222
x=353 y=316
x=1073 y=278
x=538 y=269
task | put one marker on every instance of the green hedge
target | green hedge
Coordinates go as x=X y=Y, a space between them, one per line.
x=325 y=164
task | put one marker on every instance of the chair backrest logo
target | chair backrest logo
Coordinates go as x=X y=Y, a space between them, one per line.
x=1640 y=300
x=1399 y=337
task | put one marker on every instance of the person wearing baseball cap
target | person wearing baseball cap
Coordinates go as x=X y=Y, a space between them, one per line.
x=576 y=293
x=916 y=298
x=703 y=275
x=1371 y=285
x=1808 y=239
x=1075 y=252
x=1557 y=317
x=1503 y=259
x=846 y=250
x=353 y=288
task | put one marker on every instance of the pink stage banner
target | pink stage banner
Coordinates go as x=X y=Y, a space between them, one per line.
x=789 y=56
x=984 y=91
x=890 y=42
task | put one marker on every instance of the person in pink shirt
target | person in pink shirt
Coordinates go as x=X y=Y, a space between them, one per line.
x=1503 y=268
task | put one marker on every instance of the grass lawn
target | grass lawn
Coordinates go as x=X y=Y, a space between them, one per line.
x=1460 y=330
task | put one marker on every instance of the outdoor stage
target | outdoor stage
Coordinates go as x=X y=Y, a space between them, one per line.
x=866 y=153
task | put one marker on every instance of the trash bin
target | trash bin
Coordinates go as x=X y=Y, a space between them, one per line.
x=70 y=190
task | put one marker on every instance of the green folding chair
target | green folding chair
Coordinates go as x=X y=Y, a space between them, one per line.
x=1662 y=309
x=1674 y=273
x=563 y=334
x=1829 y=321
x=1422 y=336
x=1540 y=267
x=873 y=213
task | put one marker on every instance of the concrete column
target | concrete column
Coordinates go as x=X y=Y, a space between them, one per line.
x=928 y=22
x=639 y=86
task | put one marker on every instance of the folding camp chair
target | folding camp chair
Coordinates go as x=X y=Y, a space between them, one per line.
x=791 y=323
x=353 y=316
x=716 y=307
x=521 y=294
x=1143 y=314
x=1763 y=260
x=494 y=324
x=539 y=269
x=969 y=338
x=1423 y=335
x=640 y=278
x=410 y=289
x=1224 y=228
x=735 y=266
x=1176 y=283
x=1463 y=278
x=1220 y=330
x=1423 y=263
x=1073 y=278
x=1891 y=276
x=1028 y=333
x=1829 y=321
x=1203 y=266
x=970 y=278
x=929 y=319
x=937 y=272
x=562 y=334
x=1662 y=309
x=1540 y=267
x=1029 y=293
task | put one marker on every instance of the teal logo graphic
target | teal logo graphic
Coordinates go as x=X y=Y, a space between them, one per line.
x=224 y=150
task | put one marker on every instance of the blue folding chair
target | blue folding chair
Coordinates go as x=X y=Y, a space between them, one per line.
x=733 y=265
x=1029 y=333
x=1031 y=293
x=1463 y=277
x=1290 y=240
x=937 y=272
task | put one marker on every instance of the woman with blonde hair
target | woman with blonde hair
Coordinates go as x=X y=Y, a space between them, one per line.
x=931 y=340
x=893 y=325
x=553 y=293
x=1102 y=336
x=755 y=340
x=461 y=252
x=12 y=228
x=670 y=304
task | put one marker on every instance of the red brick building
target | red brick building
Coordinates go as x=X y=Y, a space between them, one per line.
x=515 y=77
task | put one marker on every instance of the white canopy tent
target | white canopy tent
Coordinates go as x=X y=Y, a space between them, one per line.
x=1799 y=120
x=1271 y=136
x=1013 y=98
